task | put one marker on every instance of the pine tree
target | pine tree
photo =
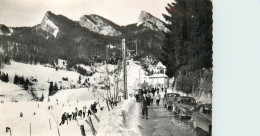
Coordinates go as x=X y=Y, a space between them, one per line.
x=51 y=89
x=42 y=98
x=16 y=79
x=2 y=75
x=79 y=81
x=27 y=82
x=7 y=78
x=21 y=80
x=25 y=85
x=55 y=87
x=189 y=40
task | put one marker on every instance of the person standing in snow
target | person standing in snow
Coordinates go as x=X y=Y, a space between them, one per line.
x=151 y=98
x=63 y=118
x=84 y=111
x=148 y=98
x=145 y=101
x=21 y=114
x=157 y=98
x=76 y=113
x=89 y=112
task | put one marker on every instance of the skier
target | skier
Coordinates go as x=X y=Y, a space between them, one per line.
x=84 y=111
x=63 y=118
x=89 y=112
x=80 y=113
x=21 y=114
x=76 y=112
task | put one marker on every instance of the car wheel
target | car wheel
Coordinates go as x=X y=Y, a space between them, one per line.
x=180 y=116
x=173 y=110
x=168 y=107
x=210 y=129
x=194 y=124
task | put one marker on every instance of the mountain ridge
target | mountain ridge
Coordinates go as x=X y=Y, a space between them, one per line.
x=58 y=37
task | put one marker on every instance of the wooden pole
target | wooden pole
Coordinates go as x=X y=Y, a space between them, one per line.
x=124 y=68
x=107 y=105
x=30 y=129
x=91 y=125
x=95 y=116
x=90 y=121
x=50 y=123
x=82 y=130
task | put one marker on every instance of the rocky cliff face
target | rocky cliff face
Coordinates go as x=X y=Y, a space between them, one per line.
x=153 y=23
x=99 y=25
x=48 y=25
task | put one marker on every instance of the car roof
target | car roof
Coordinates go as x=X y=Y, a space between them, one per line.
x=174 y=93
x=185 y=97
x=206 y=105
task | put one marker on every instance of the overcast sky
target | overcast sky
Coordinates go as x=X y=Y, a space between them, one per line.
x=122 y=12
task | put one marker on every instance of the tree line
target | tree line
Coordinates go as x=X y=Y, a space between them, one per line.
x=187 y=46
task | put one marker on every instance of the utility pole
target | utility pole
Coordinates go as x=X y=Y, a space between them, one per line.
x=124 y=67
x=135 y=47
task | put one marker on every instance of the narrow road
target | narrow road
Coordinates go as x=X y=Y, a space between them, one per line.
x=162 y=122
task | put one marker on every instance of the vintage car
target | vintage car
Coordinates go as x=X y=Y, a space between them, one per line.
x=202 y=117
x=184 y=106
x=169 y=100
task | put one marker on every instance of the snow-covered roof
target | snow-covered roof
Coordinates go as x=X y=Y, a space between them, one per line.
x=158 y=76
x=159 y=64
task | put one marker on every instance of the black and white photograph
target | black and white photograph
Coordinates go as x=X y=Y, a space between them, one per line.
x=106 y=67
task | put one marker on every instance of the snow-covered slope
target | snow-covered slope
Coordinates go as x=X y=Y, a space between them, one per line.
x=48 y=25
x=42 y=74
x=99 y=25
x=10 y=93
x=146 y=19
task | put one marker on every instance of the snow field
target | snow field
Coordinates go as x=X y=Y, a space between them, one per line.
x=42 y=74
x=40 y=121
x=10 y=92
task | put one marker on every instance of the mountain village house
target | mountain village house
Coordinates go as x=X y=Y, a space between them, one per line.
x=158 y=77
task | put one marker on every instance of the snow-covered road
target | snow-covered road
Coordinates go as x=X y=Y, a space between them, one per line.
x=162 y=122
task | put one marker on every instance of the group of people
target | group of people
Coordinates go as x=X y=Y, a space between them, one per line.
x=81 y=113
x=146 y=97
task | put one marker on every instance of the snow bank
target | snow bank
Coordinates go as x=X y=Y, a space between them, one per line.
x=114 y=123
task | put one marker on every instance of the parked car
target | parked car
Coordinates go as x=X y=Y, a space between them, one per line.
x=202 y=117
x=169 y=100
x=184 y=106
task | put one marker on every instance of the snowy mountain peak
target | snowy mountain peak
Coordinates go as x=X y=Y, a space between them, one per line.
x=148 y=20
x=99 y=25
x=48 y=24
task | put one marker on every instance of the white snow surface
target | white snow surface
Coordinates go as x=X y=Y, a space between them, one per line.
x=42 y=74
x=111 y=123
x=12 y=92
